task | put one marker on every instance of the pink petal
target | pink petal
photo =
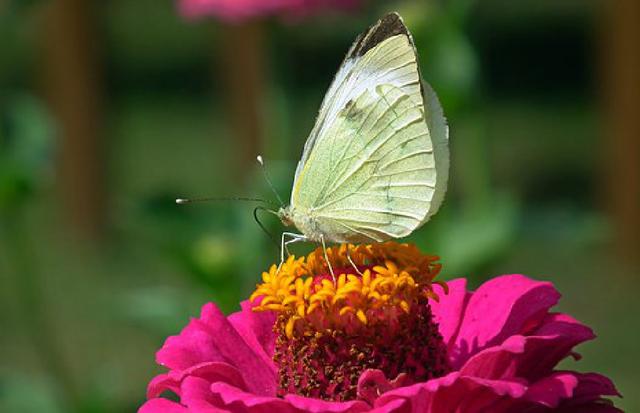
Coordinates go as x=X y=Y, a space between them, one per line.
x=529 y=357
x=234 y=399
x=372 y=383
x=591 y=386
x=449 y=310
x=568 y=390
x=256 y=328
x=454 y=392
x=231 y=10
x=194 y=345
x=551 y=390
x=195 y=393
x=212 y=372
x=501 y=307
x=236 y=10
x=595 y=407
x=161 y=383
x=563 y=333
x=237 y=400
x=307 y=404
x=393 y=406
x=212 y=338
x=162 y=406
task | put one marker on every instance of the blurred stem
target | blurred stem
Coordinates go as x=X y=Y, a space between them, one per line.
x=31 y=298
x=72 y=81
x=244 y=78
x=621 y=63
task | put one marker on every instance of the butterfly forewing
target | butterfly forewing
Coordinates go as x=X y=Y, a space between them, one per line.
x=383 y=54
x=370 y=171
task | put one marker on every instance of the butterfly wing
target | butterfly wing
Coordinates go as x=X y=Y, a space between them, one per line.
x=439 y=133
x=358 y=72
x=370 y=170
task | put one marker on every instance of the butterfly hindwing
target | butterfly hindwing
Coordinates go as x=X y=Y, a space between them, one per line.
x=439 y=132
x=383 y=175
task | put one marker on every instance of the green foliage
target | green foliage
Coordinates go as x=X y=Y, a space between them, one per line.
x=25 y=149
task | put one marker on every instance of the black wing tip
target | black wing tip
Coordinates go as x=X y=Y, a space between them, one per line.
x=388 y=26
x=392 y=18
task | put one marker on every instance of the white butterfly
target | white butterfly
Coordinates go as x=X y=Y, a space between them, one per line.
x=376 y=164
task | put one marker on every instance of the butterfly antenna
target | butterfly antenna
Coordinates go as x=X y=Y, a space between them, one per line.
x=182 y=201
x=268 y=179
x=255 y=216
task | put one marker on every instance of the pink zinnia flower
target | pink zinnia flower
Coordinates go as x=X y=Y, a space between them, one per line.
x=235 y=10
x=381 y=337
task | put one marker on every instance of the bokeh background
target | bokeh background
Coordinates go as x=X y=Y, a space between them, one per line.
x=111 y=109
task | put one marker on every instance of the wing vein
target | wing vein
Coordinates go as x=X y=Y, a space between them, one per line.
x=376 y=210
x=405 y=184
x=405 y=157
x=361 y=163
x=365 y=234
x=368 y=231
x=342 y=159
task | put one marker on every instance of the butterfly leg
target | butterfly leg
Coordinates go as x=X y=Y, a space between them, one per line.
x=353 y=264
x=296 y=238
x=326 y=258
x=284 y=244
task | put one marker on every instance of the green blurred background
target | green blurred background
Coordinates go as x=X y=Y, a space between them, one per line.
x=111 y=109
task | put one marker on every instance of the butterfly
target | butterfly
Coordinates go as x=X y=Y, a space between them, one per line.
x=375 y=165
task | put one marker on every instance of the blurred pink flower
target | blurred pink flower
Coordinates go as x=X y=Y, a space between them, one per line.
x=503 y=345
x=236 y=10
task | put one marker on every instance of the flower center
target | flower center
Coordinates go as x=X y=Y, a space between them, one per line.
x=375 y=315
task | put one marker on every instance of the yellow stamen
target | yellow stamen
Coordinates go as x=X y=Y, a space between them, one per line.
x=389 y=276
x=361 y=316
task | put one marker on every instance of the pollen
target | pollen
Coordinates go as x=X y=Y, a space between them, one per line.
x=373 y=284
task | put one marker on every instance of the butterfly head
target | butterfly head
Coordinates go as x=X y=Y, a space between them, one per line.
x=286 y=216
